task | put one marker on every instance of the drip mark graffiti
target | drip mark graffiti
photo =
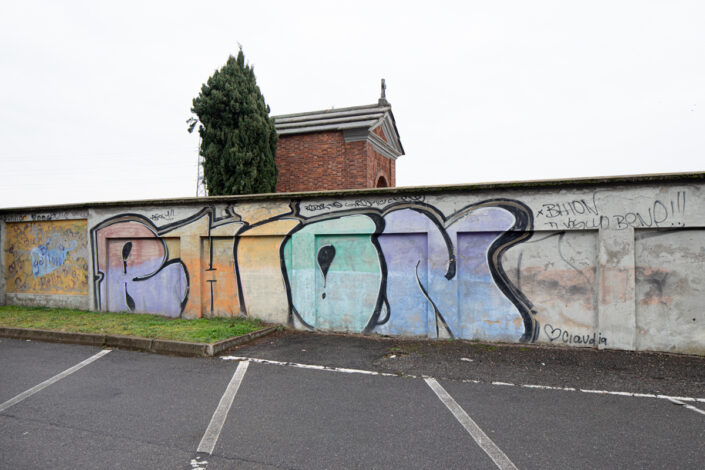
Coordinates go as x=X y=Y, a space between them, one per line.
x=325 y=258
x=210 y=283
x=126 y=248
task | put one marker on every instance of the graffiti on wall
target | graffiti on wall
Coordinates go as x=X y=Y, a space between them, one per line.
x=401 y=269
x=47 y=257
x=135 y=271
x=560 y=335
x=393 y=266
x=548 y=268
x=46 y=260
x=586 y=214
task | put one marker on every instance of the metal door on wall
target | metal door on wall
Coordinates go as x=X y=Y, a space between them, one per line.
x=348 y=281
x=138 y=280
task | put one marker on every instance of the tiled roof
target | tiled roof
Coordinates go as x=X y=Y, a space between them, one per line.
x=331 y=119
x=341 y=119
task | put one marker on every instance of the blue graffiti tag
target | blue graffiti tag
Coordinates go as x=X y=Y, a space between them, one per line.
x=45 y=260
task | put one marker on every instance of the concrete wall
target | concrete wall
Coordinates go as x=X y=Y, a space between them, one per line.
x=608 y=263
x=45 y=259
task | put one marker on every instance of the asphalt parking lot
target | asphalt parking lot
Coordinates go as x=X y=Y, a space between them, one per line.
x=283 y=403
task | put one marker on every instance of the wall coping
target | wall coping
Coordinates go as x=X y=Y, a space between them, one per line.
x=685 y=177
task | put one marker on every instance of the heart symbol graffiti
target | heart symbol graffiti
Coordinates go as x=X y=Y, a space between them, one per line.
x=552 y=333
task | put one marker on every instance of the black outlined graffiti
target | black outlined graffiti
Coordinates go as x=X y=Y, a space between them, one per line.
x=157 y=232
x=520 y=231
x=437 y=314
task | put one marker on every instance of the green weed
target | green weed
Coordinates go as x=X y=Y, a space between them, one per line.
x=201 y=330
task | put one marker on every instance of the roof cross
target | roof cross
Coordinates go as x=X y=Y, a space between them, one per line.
x=383 y=96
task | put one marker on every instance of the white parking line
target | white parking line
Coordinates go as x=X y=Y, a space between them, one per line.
x=210 y=437
x=309 y=366
x=684 y=405
x=495 y=453
x=56 y=378
x=502 y=384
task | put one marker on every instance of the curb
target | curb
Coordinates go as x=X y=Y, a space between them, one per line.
x=158 y=346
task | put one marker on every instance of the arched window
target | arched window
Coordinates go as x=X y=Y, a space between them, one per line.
x=381 y=182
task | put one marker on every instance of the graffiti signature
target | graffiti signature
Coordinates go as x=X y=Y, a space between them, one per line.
x=558 y=334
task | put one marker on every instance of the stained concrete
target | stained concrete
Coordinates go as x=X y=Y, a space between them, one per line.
x=601 y=263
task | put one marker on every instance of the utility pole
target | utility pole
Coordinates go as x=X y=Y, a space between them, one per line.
x=201 y=190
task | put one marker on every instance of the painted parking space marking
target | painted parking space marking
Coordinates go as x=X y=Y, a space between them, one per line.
x=311 y=366
x=496 y=383
x=210 y=437
x=486 y=444
x=685 y=405
x=52 y=380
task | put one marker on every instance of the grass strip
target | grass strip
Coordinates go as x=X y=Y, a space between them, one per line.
x=201 y=330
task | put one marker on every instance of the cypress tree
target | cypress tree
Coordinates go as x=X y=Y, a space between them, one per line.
x=238 y=139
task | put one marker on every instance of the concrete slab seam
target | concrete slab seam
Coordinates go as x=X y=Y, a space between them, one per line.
x=496 y=383
x=486 y=444
x=54 y=379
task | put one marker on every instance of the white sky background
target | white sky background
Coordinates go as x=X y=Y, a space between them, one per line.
x=94 y=95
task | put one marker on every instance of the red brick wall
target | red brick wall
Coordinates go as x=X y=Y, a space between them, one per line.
x=383 y=165
x=323 y=160
x=304 y=159
x=378 y=130
x=356 y=169
x=378 y=165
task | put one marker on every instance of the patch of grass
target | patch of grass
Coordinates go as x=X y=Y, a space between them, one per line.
x=486 y=347
x=202 y=330
x=396 y=351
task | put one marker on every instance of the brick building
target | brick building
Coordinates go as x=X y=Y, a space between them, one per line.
x=346 y=148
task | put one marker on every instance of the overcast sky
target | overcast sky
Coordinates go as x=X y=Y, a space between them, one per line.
x=94 y=95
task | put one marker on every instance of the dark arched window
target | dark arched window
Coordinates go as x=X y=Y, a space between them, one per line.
x=381 y=182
